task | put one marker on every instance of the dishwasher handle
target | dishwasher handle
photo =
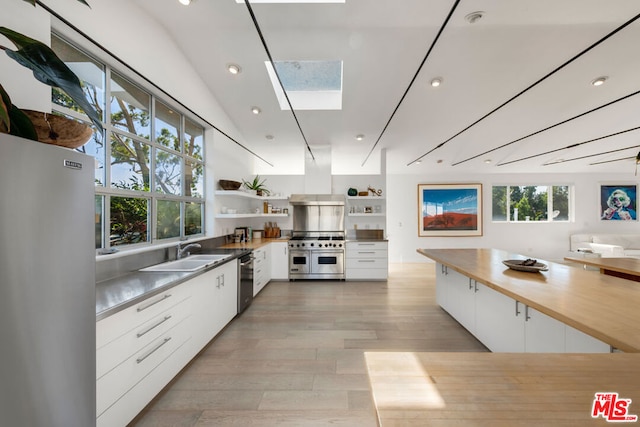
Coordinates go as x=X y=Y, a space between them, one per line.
x=246 y=262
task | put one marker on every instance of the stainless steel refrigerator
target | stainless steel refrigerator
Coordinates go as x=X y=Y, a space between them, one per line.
x=47 y=286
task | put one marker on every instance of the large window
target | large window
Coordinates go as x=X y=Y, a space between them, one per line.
x=149 y=172
x=539 y=203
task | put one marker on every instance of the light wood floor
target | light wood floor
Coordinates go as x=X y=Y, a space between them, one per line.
x=295 y=357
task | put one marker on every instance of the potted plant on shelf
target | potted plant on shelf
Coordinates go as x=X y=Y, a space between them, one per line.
x=257 y=186
x=50 y=70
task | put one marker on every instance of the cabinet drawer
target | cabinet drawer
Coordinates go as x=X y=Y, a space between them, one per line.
x=366 y=253
x=367 y=263
x=115 y=384
x=120 y=323
x=132 y=341
x=367 y=246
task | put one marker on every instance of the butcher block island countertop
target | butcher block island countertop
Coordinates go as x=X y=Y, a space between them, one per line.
x=520 y=389
x=605 y=307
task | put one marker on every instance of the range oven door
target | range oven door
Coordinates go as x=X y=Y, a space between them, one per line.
x=299 y=263
x=327 y=262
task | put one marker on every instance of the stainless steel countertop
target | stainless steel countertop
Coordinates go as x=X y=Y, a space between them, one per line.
x=117 y=294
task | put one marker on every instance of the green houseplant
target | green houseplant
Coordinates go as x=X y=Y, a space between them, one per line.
x=48 y=69
x=257 y=185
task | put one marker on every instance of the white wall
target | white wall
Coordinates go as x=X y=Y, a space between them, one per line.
x=539 y=240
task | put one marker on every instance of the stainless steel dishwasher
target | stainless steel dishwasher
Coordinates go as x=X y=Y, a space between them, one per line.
x=245 y=281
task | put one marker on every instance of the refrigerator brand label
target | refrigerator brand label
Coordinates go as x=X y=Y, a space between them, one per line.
x=72 y=165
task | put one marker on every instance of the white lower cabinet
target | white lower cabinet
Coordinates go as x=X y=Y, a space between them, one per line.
x=366 y=260
x=279 y=260
x=136 y=347
x=500 y=321
x=504 y=324
x=261 y=268
x=140 y=349
x=215 y=302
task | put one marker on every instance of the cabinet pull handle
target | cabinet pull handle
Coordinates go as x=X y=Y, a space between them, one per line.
x=526 y=313
x=218 y=282
x=517 y=311
x=475 y=286
x=366 y=260
x=156 y=348
x=470 y=284
x=222 y=279
x=152 y=327
x=144 y=307
x=366 y=252
x=366 y=244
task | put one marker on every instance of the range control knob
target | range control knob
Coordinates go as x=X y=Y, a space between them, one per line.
x=302 y=244
x=311 y=244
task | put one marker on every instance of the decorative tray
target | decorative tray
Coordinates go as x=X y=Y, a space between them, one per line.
x=529 y=265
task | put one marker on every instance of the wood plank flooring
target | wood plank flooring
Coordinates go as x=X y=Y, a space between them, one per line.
x=295 y=357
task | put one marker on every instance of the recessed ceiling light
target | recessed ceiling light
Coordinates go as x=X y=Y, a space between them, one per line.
x=359 y=137
x=269 y=137
x=436 y=82
x=439 y=161
x=234 y=69
x=599 y=81
x=256 y=110
x=185 y=2
x=418 y=162
x=487 y=161
x=474 y=17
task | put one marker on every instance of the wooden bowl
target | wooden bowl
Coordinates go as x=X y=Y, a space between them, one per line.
x=59 y=130
x=229 y=185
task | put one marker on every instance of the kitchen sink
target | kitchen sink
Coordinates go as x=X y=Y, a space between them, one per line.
x=191 y=263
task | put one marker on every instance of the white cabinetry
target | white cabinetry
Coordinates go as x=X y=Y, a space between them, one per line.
x=279 y=260
x=138 y=351
x=504 y=324
x=215 y=302
x=500 y=321
x=367 y=260
x=261 y=268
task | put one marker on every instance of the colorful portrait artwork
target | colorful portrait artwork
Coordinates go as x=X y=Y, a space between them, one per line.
x=450 y=209
x=618 y=202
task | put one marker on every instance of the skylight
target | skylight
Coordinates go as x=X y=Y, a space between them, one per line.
x=310 y=85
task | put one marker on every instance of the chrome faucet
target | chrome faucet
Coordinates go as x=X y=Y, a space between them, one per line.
x=183 y=252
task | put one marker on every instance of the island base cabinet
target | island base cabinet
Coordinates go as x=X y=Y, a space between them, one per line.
x=543 y=334
x=504 y=324
x=499 y=321
x=579 y=342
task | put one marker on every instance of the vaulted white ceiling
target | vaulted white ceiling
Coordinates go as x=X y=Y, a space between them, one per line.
x=515 y=84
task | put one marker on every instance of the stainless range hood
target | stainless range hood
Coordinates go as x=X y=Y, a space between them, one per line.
x=317 y=199
x=318 y=212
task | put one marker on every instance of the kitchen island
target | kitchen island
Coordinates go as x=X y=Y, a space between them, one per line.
x=520 y=389
x=626 y=268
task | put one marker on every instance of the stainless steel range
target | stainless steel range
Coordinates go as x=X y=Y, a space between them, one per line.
x=317 y=247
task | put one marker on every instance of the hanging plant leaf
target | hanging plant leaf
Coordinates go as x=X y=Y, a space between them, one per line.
x=5 y=106
x=21 y=125
x=49 y=69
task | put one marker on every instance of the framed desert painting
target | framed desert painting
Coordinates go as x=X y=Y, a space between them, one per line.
x=449 y=210
x=618 y=202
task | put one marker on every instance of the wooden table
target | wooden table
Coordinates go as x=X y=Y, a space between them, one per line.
x=498 y=389
x=626 y=268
